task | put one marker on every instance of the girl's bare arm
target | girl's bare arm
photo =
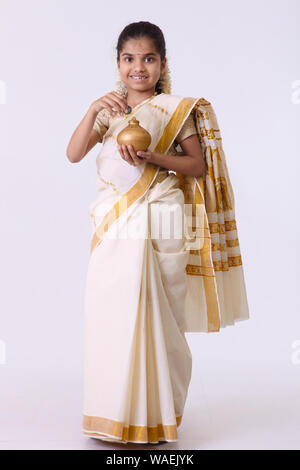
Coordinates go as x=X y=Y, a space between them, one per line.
x=191 y=164
x=84 y=138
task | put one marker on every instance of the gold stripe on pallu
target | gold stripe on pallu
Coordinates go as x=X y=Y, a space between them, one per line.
x=140 y=187
x=174 y=125
x=132 y=195
x=95 y=426
x=197 y=270
x=207 y=267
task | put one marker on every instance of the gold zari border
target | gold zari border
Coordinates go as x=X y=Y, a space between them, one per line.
x=98 y=425
x=195 y=270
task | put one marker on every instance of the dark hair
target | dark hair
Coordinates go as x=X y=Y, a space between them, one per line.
x=143 y=29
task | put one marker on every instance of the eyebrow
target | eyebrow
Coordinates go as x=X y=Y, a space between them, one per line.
x=148 y=53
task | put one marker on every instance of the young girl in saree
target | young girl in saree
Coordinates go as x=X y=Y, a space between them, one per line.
x=147 y=286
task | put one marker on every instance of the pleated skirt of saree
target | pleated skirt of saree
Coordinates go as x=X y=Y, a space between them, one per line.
x=137 y=362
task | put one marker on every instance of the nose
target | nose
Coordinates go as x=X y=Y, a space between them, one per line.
x=139 y=65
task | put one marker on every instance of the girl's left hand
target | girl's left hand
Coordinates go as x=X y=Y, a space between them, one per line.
x=132 y=157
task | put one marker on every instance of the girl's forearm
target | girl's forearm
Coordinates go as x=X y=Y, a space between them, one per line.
x=80 y=137
x=184 y=164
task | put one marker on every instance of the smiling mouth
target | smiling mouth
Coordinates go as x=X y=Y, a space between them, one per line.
x=138 y=78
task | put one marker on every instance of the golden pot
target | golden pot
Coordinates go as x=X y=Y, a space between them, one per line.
x=134 y=135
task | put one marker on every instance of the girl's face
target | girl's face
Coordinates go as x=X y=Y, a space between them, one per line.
x=139 y=58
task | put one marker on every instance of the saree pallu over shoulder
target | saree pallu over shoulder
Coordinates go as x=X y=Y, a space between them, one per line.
x=216 y=295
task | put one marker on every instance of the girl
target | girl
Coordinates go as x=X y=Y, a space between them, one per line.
x=147 y=286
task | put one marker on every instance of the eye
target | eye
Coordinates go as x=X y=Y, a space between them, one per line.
x=126 y=59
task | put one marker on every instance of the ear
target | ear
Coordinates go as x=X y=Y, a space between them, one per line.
x=163 y=64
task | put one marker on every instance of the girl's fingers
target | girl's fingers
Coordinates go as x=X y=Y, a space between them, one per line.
x=134 y=156
x=145 y=155
x=119 y=106
x=121 y=101
x=123 y=152
x=112 y=104
x=128 y=157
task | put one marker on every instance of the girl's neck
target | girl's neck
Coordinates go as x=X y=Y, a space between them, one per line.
x=134 y=98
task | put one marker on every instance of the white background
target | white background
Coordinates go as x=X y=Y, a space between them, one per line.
x=56 y=58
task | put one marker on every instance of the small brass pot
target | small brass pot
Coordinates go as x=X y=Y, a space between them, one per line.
x=134 y=135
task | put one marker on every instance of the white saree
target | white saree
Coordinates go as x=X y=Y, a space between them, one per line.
x=148 y=284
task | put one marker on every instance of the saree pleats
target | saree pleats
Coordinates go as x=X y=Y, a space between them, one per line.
x=137 y=361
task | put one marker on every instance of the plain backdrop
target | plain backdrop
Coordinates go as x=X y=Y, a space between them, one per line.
x=56 y=58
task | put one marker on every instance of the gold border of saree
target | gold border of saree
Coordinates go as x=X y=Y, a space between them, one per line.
x=95 y=426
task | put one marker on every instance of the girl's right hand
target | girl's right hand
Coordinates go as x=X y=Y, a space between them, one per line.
x=114 y=102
